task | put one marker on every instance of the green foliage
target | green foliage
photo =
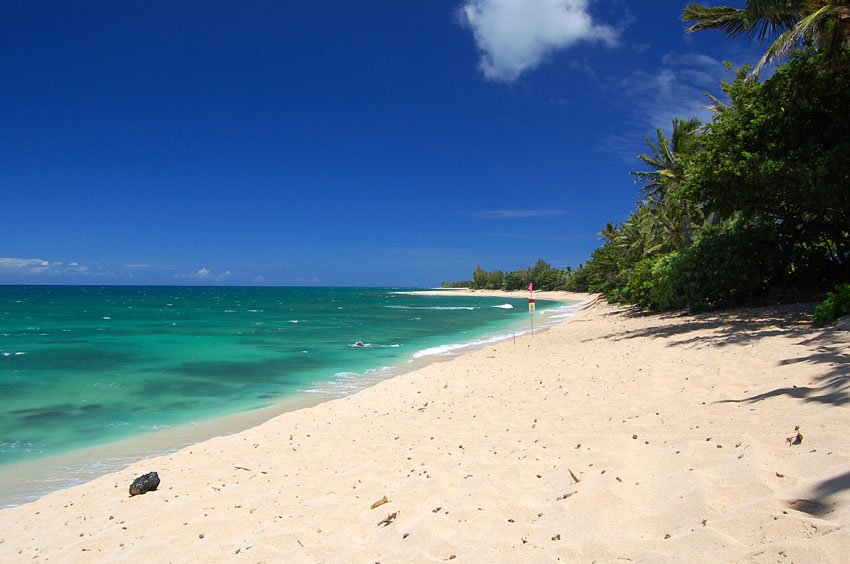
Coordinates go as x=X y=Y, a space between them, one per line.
x=719 y=271
x=758 y=197
x=836 y=304
x=604 y=271
x=539 y=267
x=577 y=281
x=542 y=274
x=549 y=279
x=666 y=284
x=780 y=153
x=479 y=277
x=457 y=284
x=516 y=280
x=792 y=24
x=639 y=286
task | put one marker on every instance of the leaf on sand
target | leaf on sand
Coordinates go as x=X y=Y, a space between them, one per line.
x=574 y=476
x=380 y=502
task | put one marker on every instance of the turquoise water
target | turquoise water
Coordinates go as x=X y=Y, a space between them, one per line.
x=83 y=365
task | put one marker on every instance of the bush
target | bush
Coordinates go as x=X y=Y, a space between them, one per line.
x=667 y=289
x=719 y=271
x=616 y=296
x=639 y=286
x=577 y=281
x=549 y=279
x=836 y=304
x=516 y=280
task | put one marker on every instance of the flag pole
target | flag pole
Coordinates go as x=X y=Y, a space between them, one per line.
x=531 y=306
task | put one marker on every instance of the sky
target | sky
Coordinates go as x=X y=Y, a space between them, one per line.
x=334 y=143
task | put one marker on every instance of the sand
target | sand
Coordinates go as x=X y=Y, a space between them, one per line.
x=616 y=436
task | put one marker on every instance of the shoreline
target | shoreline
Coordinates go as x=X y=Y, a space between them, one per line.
x=618 y=435
x=28 y=480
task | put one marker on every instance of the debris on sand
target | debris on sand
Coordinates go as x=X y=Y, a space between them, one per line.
x=796 y=438
x=388 y=519
x=380 y=502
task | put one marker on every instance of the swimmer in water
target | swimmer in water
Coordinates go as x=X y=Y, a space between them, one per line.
x=359 y=344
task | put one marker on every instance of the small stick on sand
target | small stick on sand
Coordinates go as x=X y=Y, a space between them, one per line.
x=380 y=502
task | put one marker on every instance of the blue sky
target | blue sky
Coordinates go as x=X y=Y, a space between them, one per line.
x=329 y=142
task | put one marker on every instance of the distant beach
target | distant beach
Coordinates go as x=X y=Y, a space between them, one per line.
x=616 y=436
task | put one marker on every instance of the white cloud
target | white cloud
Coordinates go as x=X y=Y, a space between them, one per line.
x=20 y=266
x=205 y=274
x=674 y=89
x=677 y=88
x=514 y=36
x=516 y=214
x=17 y=263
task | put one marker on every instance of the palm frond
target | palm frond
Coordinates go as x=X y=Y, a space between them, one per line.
x=771 y=18
x=731 y=21
x=778 y=49
x=717 y=105
x=810 y=26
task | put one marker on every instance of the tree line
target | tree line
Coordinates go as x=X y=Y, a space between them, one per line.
x=541 y=274
x=756 y=201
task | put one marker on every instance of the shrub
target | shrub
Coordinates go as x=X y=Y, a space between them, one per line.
x=639 y=286
x=577 y=281
x=720 y=270
x=836 y=304
x=667 y=286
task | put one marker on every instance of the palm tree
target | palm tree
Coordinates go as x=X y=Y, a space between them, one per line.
x=824 y=23
x=664 y=158
x=610 y=233
x=667 y=170
x=636 y=235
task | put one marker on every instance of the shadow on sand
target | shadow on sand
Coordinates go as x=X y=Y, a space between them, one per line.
x=822 y=500
x=830 y=347
x=827 y=348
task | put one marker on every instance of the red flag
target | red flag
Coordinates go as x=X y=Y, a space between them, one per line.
x=531 y=286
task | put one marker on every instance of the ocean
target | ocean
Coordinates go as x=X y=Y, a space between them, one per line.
x=84 y=367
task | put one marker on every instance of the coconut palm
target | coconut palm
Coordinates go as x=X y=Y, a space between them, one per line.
x=665 y=161
x=610 y=233
x=793 y=23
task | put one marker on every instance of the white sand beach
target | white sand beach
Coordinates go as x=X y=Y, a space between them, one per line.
x=616 y=436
